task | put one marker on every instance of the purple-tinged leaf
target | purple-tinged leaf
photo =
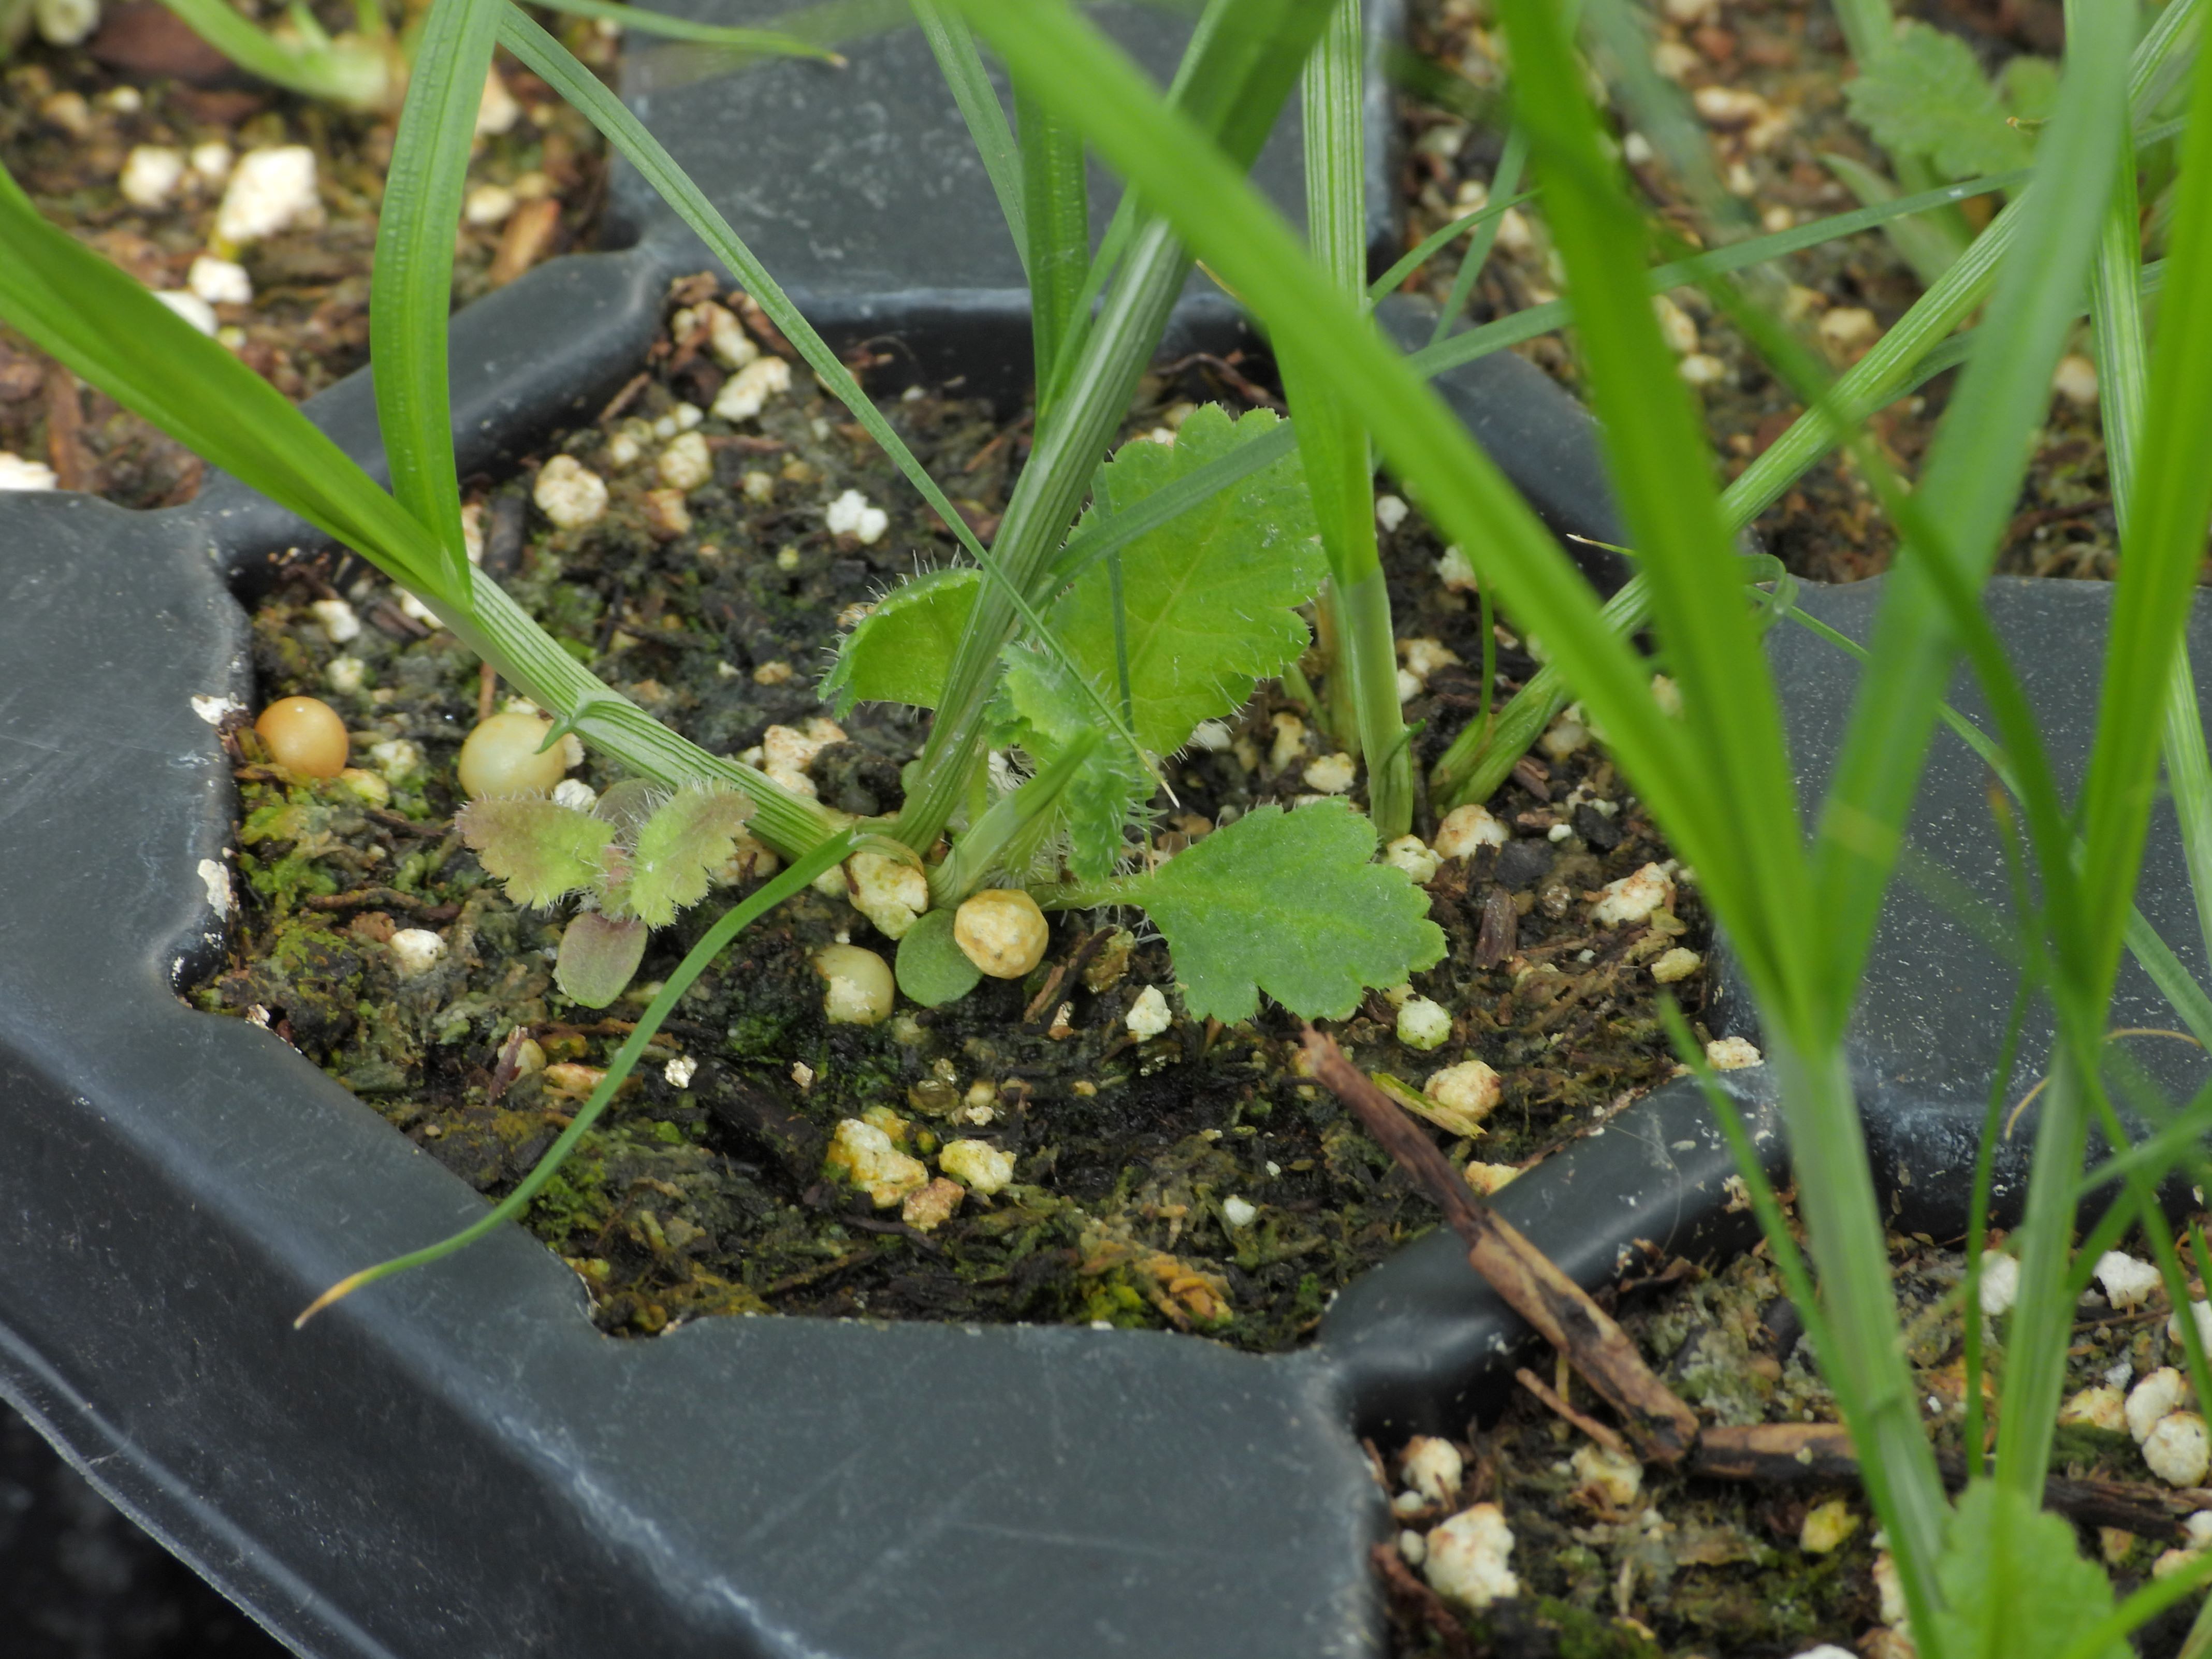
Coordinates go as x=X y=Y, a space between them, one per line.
x=598 y=958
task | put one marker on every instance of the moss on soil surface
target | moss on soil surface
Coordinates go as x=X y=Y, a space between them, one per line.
x=704 y=1193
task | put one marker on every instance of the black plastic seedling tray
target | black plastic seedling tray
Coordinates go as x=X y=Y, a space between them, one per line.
x=459 y=1464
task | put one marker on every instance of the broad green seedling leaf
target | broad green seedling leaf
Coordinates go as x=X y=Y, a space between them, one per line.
x=1925 y=96
x=933 y=968
x=1287 y=904
x=679 y=848
x=1208 y=611
x=542 y=850
x=901 y=651
x=1212 y=601
x=2015 y=1585
x=599 y=954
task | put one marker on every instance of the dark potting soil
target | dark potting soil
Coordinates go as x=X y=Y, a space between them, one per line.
x=1617 y=1563
x=71 y=120
x=705 y=1191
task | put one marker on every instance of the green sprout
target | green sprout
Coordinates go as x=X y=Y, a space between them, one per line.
x=640 y=855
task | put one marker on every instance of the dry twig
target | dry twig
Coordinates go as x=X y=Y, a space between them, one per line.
x=1532 y=1286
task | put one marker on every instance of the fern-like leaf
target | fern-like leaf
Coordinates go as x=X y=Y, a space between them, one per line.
x=689 y=836
x=540 y=850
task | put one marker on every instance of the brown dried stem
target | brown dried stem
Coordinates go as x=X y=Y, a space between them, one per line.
x=1663 y=1428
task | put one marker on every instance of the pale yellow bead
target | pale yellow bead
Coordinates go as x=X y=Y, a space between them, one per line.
x=1002 y=932
x=501 y=758
x=859 y=991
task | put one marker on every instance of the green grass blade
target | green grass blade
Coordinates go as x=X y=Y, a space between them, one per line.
x=1056 y=210
x=1970 y=481
x=551 y=62
x=1114 y=245
x=825 y=857
x=1504 y=181
x=1430 y=246
x=1928 y=245
x=2124 y=387
x=411 y=285
x=81 y=310
x=2169 y=506
x=1528 y=324
x=954 y=47
x=1621 y=38
x=1478 y=762
x=1661 y=472
x=1331 y=444
x=1969 y=487
x=2156 y=957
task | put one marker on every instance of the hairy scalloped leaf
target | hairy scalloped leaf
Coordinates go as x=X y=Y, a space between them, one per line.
x=1927 y=96
x=689 y=835
x=1040 y=708
x=540 y=849
x=901 y=651
x=1290 y=904
x=1210 y=607
x=2015 y=1583
x=1211 y=598
x=599 y=957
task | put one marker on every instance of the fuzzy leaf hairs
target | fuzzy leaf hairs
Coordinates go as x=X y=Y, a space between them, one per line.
x=640 y=855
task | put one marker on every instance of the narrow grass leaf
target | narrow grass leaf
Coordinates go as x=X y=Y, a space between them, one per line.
x=2170 y=505
x=362 y=73
x=1504 y=181
x=1056 y=218
x=111 y=330
x=1333 y=444
x=1437 y=240
x=411 y=285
